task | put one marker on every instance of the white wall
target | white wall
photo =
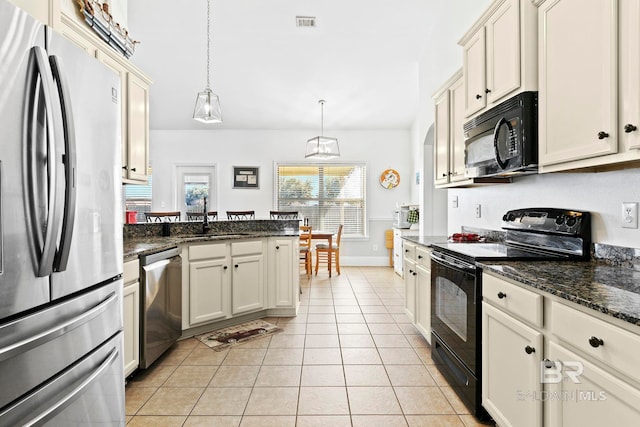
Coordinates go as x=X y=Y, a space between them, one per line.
x=380 y=150
x=600 y=193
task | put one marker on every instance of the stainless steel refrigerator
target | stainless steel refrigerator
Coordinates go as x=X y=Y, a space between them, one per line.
x=60 y=231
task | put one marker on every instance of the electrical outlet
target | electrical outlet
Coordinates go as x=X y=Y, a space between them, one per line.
x=454 y=202
x=629 y=215
x=478 y=210
x=375 y=247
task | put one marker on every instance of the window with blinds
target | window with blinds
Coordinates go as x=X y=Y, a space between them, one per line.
x=138 y=198
x=327 y=194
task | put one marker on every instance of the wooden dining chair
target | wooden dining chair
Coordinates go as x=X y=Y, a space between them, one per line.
x=240 y=215
x=305 y=248
x=283 y=215
x=197 y=216
x=162 y=216
x=329 y=253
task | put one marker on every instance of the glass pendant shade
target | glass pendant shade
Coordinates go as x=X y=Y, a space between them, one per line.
x=322 y=147
x=207 y=108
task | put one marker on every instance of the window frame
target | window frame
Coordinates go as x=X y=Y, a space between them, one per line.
x=364 y=230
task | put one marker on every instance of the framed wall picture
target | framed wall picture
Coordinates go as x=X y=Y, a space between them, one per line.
x=246 y=177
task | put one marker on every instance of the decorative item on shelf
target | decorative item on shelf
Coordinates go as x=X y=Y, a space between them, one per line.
x=389 y=179
x=413 y=216
x=322 y=147
x=207 y=109
x=97 y=16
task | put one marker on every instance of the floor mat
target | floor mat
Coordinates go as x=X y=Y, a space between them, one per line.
x=223 y=338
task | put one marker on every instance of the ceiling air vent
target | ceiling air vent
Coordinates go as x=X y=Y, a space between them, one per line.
x=306 y=21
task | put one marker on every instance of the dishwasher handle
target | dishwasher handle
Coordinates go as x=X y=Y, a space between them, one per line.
x=159 y=256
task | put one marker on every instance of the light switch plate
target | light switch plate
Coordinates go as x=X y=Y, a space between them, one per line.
x=629 y=215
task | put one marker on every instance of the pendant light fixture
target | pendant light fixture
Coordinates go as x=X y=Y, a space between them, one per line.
x=322 y=147
x=207 y=108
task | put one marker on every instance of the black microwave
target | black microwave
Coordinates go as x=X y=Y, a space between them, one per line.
x=503 y=141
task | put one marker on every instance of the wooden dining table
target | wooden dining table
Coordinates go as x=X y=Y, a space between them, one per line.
x=324 y=235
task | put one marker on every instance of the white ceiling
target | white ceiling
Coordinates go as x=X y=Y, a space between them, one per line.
x=362 y=58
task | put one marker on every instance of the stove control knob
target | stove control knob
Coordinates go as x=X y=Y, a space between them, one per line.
x=511 y=216
x=571 y=221
x=560 y=220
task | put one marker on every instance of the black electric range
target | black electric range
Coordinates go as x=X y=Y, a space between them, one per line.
x=456 y=286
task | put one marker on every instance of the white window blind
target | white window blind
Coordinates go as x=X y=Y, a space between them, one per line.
x=327 y=194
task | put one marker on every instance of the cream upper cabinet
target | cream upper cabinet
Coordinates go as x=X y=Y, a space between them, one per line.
x=449 y=133
x=589 y=116
x=499 y=54
x=578 y=79
x=137 y=128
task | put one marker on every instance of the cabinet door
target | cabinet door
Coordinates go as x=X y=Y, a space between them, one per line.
x=137 y=128
x=208 y=290
x=511 y=356
x=629 y=127
x=475 y=73
x=578 y=79
x=131 y=312
x=120 y=70
x=592 y=397
x=283 y=292
x=503 y=51
x=410 y=288
x=441 y=139
x=247 y=284
x=423 y=302
x=456 y=142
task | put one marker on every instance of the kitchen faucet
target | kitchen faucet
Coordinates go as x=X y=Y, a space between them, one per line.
x=205 y=218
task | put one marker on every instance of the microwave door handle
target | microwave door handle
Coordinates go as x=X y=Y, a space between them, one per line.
x=496 y=134
x=70 y=160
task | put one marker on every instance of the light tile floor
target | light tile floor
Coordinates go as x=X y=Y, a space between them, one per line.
x=350 y=358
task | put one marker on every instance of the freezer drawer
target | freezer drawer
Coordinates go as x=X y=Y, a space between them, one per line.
x=88 y=393
x=38 y=347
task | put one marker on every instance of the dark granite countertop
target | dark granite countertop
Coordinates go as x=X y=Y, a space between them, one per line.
x=425 y=240
x=136 y=246
x=609 y=289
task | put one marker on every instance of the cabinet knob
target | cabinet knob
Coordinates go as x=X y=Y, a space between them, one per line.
x=478 y=96
x=602 y=135
x=225 y=267
x=410 y=271
x=487 y=90
x=444 y=175
x=548 y=364
x=529 y=350
x=236 y=266
x=277 y=247
x=133 y=169
x=419 y=256
x=414 y=273
x=124 y=167
x=628 y=128
x=595 y=342
x=502 y=295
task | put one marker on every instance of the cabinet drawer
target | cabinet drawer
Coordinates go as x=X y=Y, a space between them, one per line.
x=218 y=250
x=131 y=271
x=618 y=349
x=409 y=250
x=423 y=257
x=246 y=248
x=513 y=299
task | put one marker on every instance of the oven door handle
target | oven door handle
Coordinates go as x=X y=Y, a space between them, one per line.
x=453 y=263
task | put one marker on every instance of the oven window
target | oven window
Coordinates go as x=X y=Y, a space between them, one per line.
x=451 y=306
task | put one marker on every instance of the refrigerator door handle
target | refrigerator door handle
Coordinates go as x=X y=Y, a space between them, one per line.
x=45 y=245
x=58 y=330
x=70 y=160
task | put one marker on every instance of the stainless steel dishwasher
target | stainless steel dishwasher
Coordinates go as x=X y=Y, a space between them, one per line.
x=161 y=303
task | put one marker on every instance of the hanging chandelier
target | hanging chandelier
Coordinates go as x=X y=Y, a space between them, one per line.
x=322 y=147
x=207 y=109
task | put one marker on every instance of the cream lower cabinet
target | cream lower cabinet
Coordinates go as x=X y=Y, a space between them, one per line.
x=511 y=356
x=248 y=277
x=422 y=317
x=549 y=362
x=131 y=314
x=209 y=283
x=410 y=279
x=283 y=287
